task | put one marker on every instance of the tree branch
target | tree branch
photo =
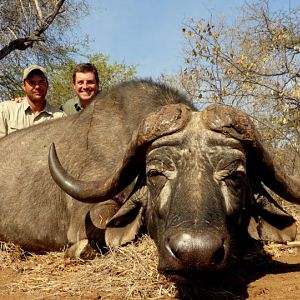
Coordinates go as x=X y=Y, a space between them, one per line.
x=38 y=8
x=24 y=43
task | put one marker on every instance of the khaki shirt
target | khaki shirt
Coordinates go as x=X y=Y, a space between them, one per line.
x=72 y=106
x=15 y=116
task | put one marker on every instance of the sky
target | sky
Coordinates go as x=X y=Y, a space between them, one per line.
x=147 y=33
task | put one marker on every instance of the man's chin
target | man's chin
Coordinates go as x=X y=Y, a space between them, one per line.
x=37 y=99
x=86 y=97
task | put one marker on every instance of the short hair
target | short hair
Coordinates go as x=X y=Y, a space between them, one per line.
x=86 y=68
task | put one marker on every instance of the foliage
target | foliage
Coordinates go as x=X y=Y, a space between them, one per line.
x=61 y=88
x=253 y=65
x=36 y=31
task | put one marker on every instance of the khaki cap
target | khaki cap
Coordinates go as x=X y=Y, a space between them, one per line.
x=31 y=68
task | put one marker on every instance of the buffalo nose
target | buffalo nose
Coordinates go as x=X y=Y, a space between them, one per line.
x=196 y=251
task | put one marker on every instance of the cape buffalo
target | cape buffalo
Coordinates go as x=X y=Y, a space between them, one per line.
x=140 y=154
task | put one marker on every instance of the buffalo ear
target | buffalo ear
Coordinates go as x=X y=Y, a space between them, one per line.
x=262 y=230
x=269 y=221
x=124 y=226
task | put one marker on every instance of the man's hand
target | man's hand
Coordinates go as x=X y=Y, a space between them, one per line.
x=18 y=99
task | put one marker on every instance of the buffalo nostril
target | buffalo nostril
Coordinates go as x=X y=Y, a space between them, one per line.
x=218 y=256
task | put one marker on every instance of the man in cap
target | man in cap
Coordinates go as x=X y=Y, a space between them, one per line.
x=33 y=109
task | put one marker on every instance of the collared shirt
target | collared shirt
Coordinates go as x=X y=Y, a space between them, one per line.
x=15 y=116
x=72 y=106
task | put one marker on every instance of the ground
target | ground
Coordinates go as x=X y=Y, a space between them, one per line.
x=130 y=273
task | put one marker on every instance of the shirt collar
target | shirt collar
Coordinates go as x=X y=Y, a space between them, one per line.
x=46 y=109
x=25 y=104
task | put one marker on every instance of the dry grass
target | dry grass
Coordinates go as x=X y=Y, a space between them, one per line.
x=126 y=273
x=129 y=272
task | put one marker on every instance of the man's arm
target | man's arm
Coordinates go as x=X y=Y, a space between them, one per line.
x=3 y=121
x=18 y=99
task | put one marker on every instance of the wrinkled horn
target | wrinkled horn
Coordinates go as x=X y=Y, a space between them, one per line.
x=169 y=119
x=234 y=123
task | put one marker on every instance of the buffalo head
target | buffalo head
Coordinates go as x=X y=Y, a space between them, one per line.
x=195 y=180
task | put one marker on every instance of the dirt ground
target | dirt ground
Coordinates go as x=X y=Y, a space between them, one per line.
x=130 y=273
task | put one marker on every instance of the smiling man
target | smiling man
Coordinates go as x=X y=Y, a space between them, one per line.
x=33 y=109
x=86 y=86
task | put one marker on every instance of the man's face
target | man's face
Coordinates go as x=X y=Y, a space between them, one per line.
x=35 y=86
x=85 y=86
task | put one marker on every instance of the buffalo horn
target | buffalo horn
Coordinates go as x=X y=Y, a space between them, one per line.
x=234 y=123
x=169 y=119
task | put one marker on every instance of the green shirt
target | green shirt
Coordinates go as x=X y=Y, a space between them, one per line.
x=72 y=106
x=15 y=116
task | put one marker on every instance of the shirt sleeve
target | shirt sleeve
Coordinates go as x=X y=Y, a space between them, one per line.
x=3 y=121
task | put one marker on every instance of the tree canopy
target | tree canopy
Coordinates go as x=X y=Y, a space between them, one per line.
x=44 y=32
x=37 y=31
x=252 y=64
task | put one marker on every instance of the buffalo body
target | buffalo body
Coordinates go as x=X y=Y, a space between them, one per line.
x=142 y=155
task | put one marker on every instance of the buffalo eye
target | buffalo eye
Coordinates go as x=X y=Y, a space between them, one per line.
x=155 y=177
x=154 y=174
x=234 y=174
x=235 y=181
x=235 y=178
